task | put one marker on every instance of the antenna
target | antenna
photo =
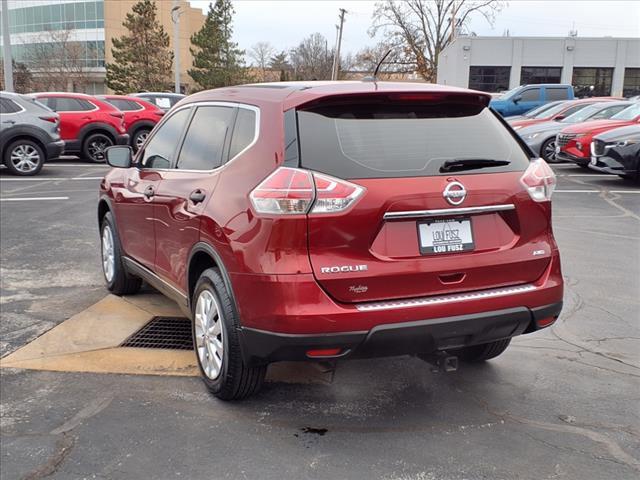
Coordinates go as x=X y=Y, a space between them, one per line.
x=374 y=77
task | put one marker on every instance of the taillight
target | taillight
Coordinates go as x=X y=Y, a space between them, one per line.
x=539 y=180
x=49 y=119
x=292 y=191
x=159 y=113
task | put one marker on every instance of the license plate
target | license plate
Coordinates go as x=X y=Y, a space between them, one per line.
x=445 y=236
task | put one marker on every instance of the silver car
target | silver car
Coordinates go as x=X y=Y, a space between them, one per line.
x=541 y=137
x=29 y=134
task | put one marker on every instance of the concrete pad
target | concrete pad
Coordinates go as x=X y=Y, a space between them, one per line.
x=90 y=342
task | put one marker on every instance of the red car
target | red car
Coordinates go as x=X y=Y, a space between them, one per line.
x=558 y=112
x=573 y=143
x=140 y=116
x=88 y=125
x=326 y=220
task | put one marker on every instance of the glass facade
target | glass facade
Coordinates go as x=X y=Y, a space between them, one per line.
x=59 y=16
x=489 y=79
x=631 y=82
x=87 y=54
x=533 y=75
x=586 y=77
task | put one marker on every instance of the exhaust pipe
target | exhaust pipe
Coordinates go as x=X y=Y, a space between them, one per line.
x=440 y=361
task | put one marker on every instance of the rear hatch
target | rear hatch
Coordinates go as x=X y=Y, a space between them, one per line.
x=403 y=237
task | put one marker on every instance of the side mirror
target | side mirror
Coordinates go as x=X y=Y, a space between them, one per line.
x=517 y=99
x=559 y=117
x=119 y=156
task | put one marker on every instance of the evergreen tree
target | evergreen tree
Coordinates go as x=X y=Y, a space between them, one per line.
x=141 y=58
x=217 y=60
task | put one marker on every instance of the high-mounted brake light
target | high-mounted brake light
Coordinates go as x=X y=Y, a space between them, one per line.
x=539 y=180
x=293 y=191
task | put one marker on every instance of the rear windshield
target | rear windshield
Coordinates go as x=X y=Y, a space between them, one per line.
x=628 y=113
x=403 y=140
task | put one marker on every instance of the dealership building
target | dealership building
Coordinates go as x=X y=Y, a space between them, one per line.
x=494 y=64
x=90 y=26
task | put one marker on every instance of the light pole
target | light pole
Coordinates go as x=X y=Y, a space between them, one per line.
x=6 y=48
x=175 y=16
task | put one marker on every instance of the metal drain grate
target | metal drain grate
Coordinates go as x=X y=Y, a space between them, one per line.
x=163 y=332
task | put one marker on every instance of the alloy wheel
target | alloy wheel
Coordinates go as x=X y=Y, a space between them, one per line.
x=209 y=336
x=97 y=148
x=25 y=158
x=140 y=139
x=549 y=152
x=108 y=254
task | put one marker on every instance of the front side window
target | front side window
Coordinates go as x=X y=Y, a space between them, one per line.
x=530 y=95
x=203 y=146
x=159 y=151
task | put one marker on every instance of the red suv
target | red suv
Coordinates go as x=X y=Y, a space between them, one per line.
x=88 y=126
x=573 y=143
x=328 y=220
x=140 y=116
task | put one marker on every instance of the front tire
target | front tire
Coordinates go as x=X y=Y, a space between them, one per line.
x=217 y=344
x=119 y=281
x=24 y=157
x=94 y=146
x=482 y=352
x=139 y=138
x=548 y=150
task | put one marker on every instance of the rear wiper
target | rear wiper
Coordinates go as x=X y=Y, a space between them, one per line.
x=458 y=164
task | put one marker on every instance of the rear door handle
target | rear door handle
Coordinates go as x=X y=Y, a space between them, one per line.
x=85 y=118
x=197 y=196
x=149 y=191
x=10 y=122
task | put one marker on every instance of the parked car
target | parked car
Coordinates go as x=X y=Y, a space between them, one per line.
x=29 y=134
x=617 y=152
x=541 y=137
x=533 y=113
x=374 y=232
x=140 y=116
x=557 y=112
x=527 y=97
x=162 y=100
x=574 y=142
x=87 y=125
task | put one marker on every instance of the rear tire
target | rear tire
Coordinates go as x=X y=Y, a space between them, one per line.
x=24 y=157
x=217 y=344
x=119 y=281
x=548 y=150
x=94 y=146
x=139 y=138
x=482 y=352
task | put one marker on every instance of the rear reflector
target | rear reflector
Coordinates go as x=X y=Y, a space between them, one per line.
x=545 y=322
x=539 y=180
x=325 y=352
x=293 y=191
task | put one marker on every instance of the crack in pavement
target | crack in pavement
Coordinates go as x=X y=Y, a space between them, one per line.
x=87 y=412
x=63 y=448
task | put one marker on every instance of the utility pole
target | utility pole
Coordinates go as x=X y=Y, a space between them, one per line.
x=6 y=48
x=175 y=16
x=452 y=37
x=336 y=58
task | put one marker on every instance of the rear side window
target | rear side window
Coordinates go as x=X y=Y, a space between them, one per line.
x=8 y=106
x=203 y=146
x=531 y=95
x=64 y=104
x=610 y=112
x=556 y=93
x=244 y=131
x=403 y=140
x=123 y=105
x=159 y=151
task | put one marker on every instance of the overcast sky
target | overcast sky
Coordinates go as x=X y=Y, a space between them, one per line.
x=285 y=23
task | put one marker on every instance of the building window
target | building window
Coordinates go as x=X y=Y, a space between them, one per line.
x=489 y=79
x=631 y=82
x=599 y=78
x=60 y=16
x=531 y=75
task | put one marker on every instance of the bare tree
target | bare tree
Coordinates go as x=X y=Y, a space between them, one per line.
x=420 y=29
x=261 y=53
x=58 y=63
x=312 y=59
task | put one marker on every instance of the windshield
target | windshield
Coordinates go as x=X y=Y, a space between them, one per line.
x=403 y=140
x=550 y=111
x=628 y=113
x=537 y=112
x=583 y=114
x=509 y=94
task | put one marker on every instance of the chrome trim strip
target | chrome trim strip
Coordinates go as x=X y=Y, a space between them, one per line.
x=442 y=212
x=439 y=299
x=152 y=277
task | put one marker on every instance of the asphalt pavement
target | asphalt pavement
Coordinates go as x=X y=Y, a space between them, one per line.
x=560 y=404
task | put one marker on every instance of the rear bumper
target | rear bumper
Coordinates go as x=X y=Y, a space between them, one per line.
x=54 y=149
x=284 y=316
x=422 y=336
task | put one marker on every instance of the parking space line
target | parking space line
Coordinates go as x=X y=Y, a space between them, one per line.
x=45 y=179
x=586 y=175
x=577 y=191
x=31 y=199
x=75 y=165
x=624 y=191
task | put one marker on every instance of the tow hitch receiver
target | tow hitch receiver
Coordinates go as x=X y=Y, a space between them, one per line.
x=440 y=361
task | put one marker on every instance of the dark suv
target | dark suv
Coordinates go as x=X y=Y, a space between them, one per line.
x=335 y=220
x=29 y=134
